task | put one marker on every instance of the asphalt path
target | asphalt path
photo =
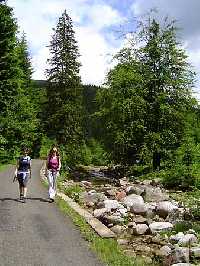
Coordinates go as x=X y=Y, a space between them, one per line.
x=36 y=232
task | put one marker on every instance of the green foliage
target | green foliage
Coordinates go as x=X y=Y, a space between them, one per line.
x=93 y=153
x=74 y=192
x=46 y=144
x=142 y=109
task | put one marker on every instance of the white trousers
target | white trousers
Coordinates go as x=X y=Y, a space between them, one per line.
x=52 y=176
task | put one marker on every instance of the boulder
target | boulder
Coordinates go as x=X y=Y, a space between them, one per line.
x=136 y=189
x=120 y=195
x=188 y=240
x=133 y=200
x=138 y=219
x=180 y=254
x=195 y=252
x=164 y=208
x=140 y=229
x=112 y=204
x=92 y=196
x=175 y=238
x=139 y=208
x=165 y=251
x=100 y=212
x=157 y=227
x=154 y=194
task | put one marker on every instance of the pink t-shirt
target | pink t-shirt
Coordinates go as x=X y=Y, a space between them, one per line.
x=53 y=163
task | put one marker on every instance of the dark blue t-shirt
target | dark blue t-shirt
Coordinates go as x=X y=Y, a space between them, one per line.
x=24 y=163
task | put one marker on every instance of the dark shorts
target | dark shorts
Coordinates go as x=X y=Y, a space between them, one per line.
x=23 y=179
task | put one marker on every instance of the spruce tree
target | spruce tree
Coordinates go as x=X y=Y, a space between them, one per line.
x=9 y=79
x=64 y=92
x=9 y=68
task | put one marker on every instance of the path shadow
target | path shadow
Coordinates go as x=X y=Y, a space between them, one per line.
x=9 y=199
x=39 y=199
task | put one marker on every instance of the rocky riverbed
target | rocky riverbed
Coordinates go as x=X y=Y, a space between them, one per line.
x=144 y=218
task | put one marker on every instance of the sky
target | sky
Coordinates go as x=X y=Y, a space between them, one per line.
x=98 y=30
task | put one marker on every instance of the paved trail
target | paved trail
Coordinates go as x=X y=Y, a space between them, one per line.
x=37 y=233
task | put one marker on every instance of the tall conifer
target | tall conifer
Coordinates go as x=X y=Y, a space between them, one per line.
x=64 y=91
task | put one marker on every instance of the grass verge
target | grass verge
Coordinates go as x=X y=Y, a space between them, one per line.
x=107 y=250
x=3 y=167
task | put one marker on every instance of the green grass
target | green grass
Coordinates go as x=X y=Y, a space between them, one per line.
x=107 y=250
x=190 y=200
x=3 y=167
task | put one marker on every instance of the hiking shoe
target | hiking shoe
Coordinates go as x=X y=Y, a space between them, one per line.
x=22 y=199
x=51 y=200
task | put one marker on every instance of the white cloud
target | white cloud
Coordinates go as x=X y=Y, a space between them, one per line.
x=37 y=18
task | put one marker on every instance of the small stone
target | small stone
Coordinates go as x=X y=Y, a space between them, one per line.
x=111 y=192
x=120 y=195
x=86 y=184
x=122 y=241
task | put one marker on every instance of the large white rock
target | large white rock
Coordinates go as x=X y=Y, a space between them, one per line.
x=140 y=229
x=195 y=251
x=181 y=254
x=133 y=200
x=177 y=237
x=112 y=204
x=187 y=240
x=164 y=208
x=100 y=212
x=139 y=208
x=165 y=251
x=157 y=227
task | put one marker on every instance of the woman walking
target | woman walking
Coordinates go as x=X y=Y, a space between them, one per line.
x=53 y=166
x=23 y=173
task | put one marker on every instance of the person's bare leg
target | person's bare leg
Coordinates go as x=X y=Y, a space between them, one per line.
x=20 y=190
x=25 y=191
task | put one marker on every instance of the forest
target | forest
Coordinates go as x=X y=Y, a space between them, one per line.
x=144 y=118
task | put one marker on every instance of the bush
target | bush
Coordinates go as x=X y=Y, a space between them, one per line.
x=180 y=177
x=93 y=153
x=74 y=192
